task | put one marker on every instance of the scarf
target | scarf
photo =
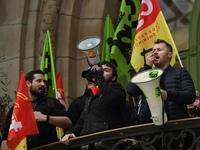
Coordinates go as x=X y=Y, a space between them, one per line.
x=96 y=89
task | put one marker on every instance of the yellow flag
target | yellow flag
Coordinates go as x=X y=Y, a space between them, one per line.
x=151 y=26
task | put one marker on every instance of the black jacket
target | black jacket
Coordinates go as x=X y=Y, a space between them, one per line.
x=76 y=107
x=180 y=88
x=103 y=111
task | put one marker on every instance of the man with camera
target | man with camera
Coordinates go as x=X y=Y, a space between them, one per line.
x=105 y=108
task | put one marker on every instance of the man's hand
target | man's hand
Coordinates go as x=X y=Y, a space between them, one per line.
x=163 y=94
x=65 y=139
x=60 y=121
x=96 y=68
x=4 y=145
x=150 y=58
x=40 y=117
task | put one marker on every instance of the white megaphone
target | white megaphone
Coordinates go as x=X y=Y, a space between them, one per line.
x=89 y=45
x=149 y=82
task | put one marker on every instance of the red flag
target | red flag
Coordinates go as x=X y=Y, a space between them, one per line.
x=60 y=91
x=151 y=26
x=61 y=97
x=23 y=121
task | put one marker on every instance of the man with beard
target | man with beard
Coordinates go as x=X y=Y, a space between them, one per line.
x=48 y=112
x=105 y=107
x=177 y=88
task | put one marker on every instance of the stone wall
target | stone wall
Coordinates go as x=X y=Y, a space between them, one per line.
x=23 y=26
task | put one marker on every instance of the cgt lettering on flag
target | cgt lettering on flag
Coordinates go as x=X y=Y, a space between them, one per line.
x=151 y=33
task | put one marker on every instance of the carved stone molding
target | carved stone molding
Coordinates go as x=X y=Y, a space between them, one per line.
x=48 y=21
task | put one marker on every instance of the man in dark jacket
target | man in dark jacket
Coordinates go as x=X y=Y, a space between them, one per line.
x=177 y=88
x=104 y=107
x=48 y=112
x=76 y=107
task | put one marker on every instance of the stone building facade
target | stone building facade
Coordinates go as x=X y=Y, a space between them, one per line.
x=24 y=24
x=23 y=27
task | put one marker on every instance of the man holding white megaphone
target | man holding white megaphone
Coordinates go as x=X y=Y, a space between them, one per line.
x=176 y=85
x=105 y=108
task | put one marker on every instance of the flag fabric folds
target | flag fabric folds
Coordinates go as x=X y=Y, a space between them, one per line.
x=107 y=41
x=23 y=121
x=17 y=143
x=47 y=66
x=151 y=26
x=60 y=90
x=61 y=97
x=124 y=36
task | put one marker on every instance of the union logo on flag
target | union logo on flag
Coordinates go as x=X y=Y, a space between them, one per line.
x=60 y=91
x=151 y=26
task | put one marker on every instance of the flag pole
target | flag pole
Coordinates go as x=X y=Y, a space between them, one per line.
x=179 y=60
x=59 y=127
x=60 y=133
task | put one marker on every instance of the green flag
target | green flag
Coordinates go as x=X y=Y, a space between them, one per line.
x=107 y=41
x=47 y=66
x=124 y=36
